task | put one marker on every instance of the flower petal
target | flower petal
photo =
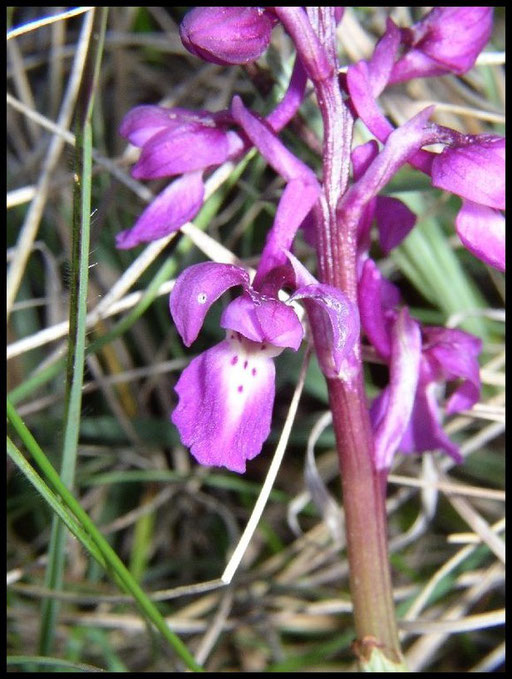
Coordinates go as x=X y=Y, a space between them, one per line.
x=401 y=145
x=143 y=122
x=263 y=320
x=363 y=100
x=335 y=322
x=383 y=57
x=289 y=104
x=176 y=205
x=294 y=205
x=424 y=432
x=196 y=289
x=482 y=231
x=226 y=396
x=394 y=221
x=452 y=354
x=183 y=149
x=447 y=39
x=475 y=170
x=377 y=297
x=403 y=379
x=360 y=89
x=297 y=199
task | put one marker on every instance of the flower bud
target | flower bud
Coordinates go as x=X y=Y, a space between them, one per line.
x=226 y=35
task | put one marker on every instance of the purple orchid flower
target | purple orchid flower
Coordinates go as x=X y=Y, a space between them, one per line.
x=470 y=166
x=446 y=355
x=406 y=415
x=174 y=142
x=177 y=141
x=226 y=394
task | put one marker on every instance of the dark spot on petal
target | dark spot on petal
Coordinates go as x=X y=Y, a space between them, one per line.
x=241 y=388
x=253 y=372
x=234 y=360
x=246 y=363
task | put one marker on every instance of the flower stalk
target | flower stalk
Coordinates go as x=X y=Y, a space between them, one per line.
x=363 y=485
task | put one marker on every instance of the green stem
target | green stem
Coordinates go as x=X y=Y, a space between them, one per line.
x=365 y=523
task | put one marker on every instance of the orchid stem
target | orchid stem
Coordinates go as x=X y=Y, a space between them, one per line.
x=377 y=645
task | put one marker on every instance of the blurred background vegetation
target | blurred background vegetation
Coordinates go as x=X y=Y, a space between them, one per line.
x=172 y=523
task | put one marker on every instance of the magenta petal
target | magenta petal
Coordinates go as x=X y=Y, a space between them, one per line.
x=401 y=145
x=404 y=373
x=334 y=318
x=475 y=171
x=226 y=35
x=301 y=275
x=264 y=320
x=183 y=149
x=383 y=57
x=394 y=221
x=455 y=36
x=289 y=104
x=452 y=355
x=361 y=156
x=424 y=432
x=360 y=89
x=172 y=208
x=482 y=231
x=143 y=122
x=270 y=146
x=226 y=396
x=196 y=289
x=376 y=296
x=294 y=205
x=447 y=39
x=415 y=64
x=336 y=325
x=299 y=196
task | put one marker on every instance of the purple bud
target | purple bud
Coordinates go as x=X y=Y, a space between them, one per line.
x=226 y=35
